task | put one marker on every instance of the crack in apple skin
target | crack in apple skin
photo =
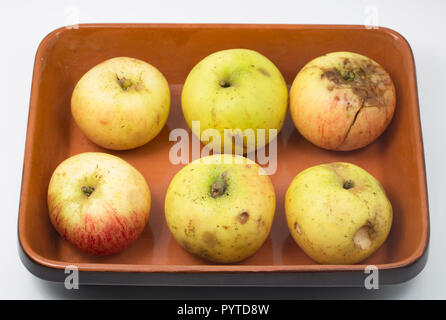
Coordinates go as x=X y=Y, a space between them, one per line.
x=346 y=136
x=349 y=128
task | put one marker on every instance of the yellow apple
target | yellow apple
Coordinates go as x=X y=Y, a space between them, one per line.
x=235 y=89
x=98 y=202
x=220 y=207
x=337 y=213
x=342 y=101
x=122 y=103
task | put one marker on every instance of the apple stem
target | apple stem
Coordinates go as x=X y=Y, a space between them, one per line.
x=219 y=186
x=87 y=190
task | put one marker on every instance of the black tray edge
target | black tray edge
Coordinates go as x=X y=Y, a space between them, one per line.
x=226 y=279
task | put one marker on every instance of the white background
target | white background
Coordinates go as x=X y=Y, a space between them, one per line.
x=24 y=24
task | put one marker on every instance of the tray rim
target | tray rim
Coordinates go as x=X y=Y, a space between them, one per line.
x=420 y=252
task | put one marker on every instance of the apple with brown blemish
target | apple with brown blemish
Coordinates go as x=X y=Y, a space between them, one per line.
x=337 y=213
x=98 y=202
x=220 y=207
x=239 y=96
x=121 y=103
x=342 y=101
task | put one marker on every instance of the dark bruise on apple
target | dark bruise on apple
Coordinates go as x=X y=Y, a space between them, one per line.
x=342 y=101
x=368 y=82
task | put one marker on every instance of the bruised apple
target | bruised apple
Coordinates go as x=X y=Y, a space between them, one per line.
x=122 y=103
x=342 y=101
x=220 y=207
x=337 y=213
x=98 y=202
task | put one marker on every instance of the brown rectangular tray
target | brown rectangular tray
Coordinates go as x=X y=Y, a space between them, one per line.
x=396 y=158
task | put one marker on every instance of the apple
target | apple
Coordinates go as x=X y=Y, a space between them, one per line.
x=342 y=101
x=235 y=89
x=220 y=207
x=98 y=202
x=122 y=103
x=337 y=213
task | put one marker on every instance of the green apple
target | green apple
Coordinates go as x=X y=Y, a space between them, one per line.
x=98 y=202
x=220 y=207
x=337 y=213
x=121 y=103
x=236 y=89
x=342 y=101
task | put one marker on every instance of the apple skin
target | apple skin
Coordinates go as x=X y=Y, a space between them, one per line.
x=338 y=110
x=112 y=216
x=121 y=103
x=256 y=96
x=334 y=224
x=227 y=228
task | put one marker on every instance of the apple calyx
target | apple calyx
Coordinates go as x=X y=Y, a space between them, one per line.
x=347 y=75
x=87 y=190
x=219 y=186
x=342 y=76
x=124 y=83
x=348 y=184
x=224 y=84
